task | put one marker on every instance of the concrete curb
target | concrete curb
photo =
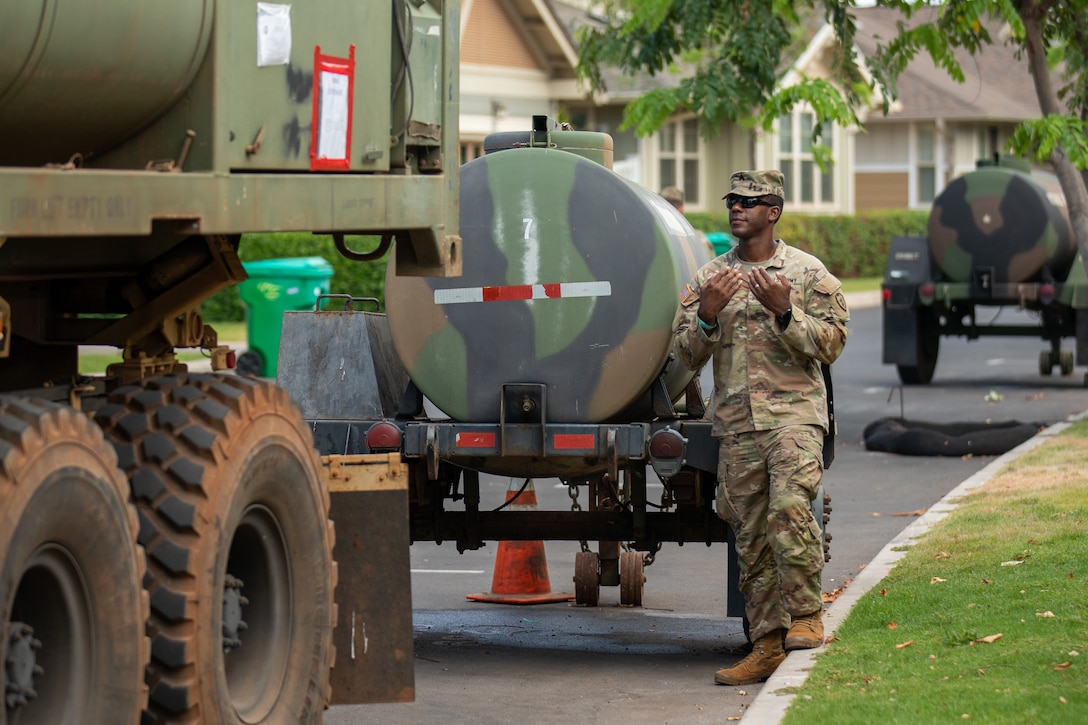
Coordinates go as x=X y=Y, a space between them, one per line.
x=769 y=706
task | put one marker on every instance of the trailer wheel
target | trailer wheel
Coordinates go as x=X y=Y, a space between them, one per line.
x=632 y=578
x=1046 y=362
x=1065 y=360
x=928 y=348
x=234 y=517
x=72 y=641
x=587 y=581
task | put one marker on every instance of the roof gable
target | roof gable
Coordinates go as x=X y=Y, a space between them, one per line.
x=520 y=34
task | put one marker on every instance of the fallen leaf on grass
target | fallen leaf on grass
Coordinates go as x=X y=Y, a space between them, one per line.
x=893 y=625
x=987 y=581
x=937 y=580
x=1011 y=563
x=981 y=671
x=901 y=645
x=942 y=555
x=1063 y=666
x=1048 y=614
x=883 y=592
x=988 y=640
x=1063 y=701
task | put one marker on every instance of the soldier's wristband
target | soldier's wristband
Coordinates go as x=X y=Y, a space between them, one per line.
x=783 y=320
x=705 y=326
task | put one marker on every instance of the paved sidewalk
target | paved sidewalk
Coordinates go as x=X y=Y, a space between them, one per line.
x=769 y=706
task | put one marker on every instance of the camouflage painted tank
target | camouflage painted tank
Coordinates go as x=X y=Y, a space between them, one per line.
x=571 y=276
x=1001 y=219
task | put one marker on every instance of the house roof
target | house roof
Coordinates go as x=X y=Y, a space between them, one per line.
x=997 y=86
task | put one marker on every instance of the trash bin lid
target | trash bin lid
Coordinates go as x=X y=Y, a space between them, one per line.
x=309 y=267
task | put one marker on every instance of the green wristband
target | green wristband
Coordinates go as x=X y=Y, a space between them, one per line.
x=706 y=327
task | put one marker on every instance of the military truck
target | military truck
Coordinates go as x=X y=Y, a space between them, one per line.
x=998 y=237
x=166 y=549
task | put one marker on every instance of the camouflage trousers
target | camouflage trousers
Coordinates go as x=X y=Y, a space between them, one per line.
x=766 y=480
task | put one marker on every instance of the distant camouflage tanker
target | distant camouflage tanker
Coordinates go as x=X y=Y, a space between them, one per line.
x=997 y=236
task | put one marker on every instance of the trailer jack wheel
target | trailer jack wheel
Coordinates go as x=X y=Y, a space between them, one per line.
x=632 y=578
x=1065 y=361
x=587 y=582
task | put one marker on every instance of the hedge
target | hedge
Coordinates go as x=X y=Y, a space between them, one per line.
x=358 y=279
x=850 y=246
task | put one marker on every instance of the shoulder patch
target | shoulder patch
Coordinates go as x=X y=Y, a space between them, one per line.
x=689 y=296
x=838 y=303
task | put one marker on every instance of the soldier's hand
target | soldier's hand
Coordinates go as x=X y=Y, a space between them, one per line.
x=717 y=291
x=772 y=290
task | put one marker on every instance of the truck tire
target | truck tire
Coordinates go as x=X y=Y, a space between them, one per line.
x=72 y=641
x=929 y=345
x=234 y=517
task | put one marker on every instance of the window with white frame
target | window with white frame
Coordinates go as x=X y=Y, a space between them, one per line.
x=806 y=184
x=678 y=153
x=925 y=164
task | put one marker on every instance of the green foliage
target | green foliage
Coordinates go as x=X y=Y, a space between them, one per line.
x=1041 y=138
x=358 y=279
x=850 y=246
x=737 y=67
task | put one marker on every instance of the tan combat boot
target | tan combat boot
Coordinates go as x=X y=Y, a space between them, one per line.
x=806 y=632
x=766 y=655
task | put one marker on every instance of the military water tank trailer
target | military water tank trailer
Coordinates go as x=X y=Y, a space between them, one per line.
x=998 y=236
x=550 y=356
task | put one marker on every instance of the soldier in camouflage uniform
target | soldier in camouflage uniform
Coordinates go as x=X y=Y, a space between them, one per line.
x=767 y=314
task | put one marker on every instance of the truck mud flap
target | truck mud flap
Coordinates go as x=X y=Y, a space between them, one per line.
x=374 y=648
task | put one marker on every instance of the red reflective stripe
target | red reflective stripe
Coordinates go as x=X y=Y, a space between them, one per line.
x=475 y=440
x=567 y=441
x=509 y=292
x=553 y=290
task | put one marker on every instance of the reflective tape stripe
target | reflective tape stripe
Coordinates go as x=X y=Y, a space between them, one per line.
x=460 y=295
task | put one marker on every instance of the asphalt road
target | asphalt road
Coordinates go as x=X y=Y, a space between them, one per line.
x=486 y=663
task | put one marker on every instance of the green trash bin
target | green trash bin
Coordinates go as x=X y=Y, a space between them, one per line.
x=275 y=286
x=721 y=241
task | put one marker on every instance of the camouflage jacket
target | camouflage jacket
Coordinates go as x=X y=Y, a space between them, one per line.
x=766 y=377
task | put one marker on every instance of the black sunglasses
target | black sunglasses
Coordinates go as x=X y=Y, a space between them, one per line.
x=747 y=202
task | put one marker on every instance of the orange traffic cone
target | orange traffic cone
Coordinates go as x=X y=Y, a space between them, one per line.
x=521 y=568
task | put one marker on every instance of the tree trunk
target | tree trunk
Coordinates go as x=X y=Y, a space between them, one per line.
x=1076 y=194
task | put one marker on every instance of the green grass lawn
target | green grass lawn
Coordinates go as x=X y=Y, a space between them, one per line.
x=984 y=619
x=861 y=284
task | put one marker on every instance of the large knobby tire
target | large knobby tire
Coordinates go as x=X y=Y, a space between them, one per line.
x=234 y=517
x=71 y=599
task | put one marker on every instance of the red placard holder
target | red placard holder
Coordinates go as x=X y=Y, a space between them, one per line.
x=330 y=131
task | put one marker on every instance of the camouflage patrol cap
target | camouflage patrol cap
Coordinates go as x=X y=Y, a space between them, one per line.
x=673 y=195
x=756 y=183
